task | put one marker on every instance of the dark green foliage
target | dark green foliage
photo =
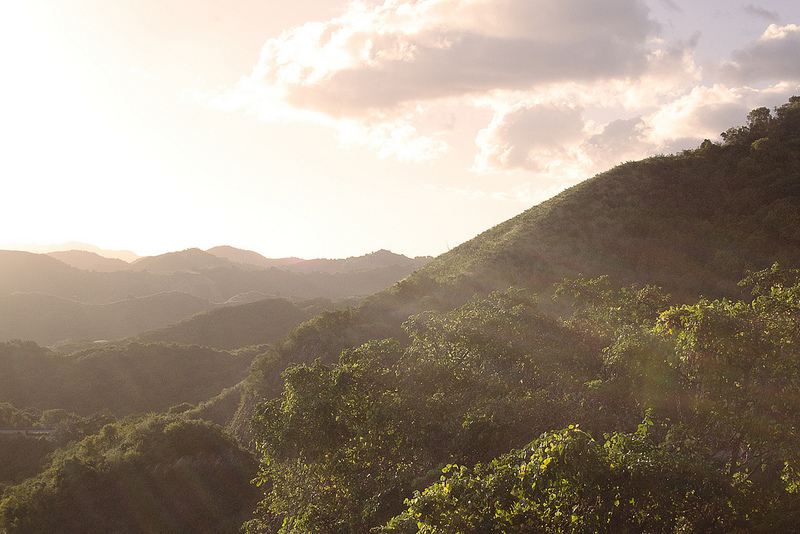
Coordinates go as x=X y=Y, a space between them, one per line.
x=22 y=457
x=157 y=474
x=565 y=481
x=692 y=223
x=715 y=383
x=344 y=444
x=123 y=379
x=232 y=327
x=25 y=453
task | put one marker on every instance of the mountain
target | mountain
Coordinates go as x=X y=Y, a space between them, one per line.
x=491 y=409
x=231 y=327
x=61 y=295
x=123 y=379
x=125 y=255
x=47 y=319
x=248 y=257
x=375 y=260
x=693 y=223
x=186 y=260
x=29 y=272
x=633 y=411
x=89 y=261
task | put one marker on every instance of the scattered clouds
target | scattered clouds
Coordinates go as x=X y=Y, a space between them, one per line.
x=774 y=56
x=760 y=12
x=618 y=141
x=557 y=75
x=378 y=59
x=397 y=138
x=671 y=5
x=703 y=113
x=531 y=137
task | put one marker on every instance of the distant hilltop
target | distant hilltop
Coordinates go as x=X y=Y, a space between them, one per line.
x=89 y=257
x=124 y=255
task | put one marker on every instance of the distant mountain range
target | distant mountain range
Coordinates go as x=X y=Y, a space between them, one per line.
x=81 y=295
x=92 y=258
x=350 y=440
x=124 y=255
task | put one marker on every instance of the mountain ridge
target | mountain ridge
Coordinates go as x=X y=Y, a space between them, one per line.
x=693 y=223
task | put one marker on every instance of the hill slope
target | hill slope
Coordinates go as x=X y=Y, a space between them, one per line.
x=46 y=319
x=693 y=223
x=231 y=327
x=89 y=261
x=84 y=297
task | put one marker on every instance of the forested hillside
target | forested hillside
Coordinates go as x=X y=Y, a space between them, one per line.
x=631 y=416
x=698 y=387
x=624 y=357
x=127 y=379
x=232 y=327
x=693 y=223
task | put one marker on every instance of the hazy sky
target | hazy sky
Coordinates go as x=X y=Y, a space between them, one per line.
x=324 y=128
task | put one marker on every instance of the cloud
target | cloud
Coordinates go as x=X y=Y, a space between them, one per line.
x=772 y=57
x=531 y=137
x=707 y=111
x=760 y=12
x=397 y=138
x=671 y=5
x=557 y=141
x=410 y=51
x=620 y=140
x=543 y=69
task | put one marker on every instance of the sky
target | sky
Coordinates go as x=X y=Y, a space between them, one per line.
x=325 y=128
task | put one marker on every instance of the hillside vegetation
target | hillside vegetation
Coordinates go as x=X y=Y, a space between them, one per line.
x=133 y=378
x=624 y=357
x=231 y=327
x=693 y=223
x=641 y=411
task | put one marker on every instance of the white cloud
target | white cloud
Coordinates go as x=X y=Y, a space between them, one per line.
x=703 y=113
x=530 y=136
x=404 y=51
x=397 y=138
x=376 y=74
x=707 y=111
x=618 y=141
x=774 y=56
x=379 y=59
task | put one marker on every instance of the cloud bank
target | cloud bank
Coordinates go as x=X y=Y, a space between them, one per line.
x=551 y=72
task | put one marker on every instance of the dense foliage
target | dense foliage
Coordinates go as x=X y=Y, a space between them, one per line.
x=688 y=419
x=232 y=327
x=613 y=407
x=134 y=378
x=156 y=474
x=693 y=223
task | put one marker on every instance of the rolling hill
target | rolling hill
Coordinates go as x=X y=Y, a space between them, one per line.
x=693 y=223
x=89 y=261
x=47 y=319
x=489 y=411
x=85 y=297
x=232 y=327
